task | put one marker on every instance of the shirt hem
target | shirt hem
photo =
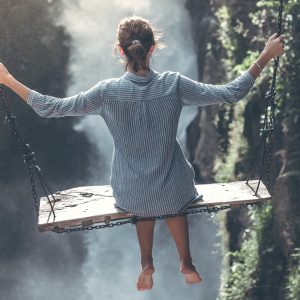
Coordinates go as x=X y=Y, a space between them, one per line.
x=171 y=212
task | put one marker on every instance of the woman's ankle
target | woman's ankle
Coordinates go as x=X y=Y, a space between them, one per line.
x=187 y=260
x=147 y=262
x=187 y=264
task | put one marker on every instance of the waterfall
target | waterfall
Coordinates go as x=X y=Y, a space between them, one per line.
x=112 y=265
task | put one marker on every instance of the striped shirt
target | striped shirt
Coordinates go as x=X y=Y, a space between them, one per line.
x=149 y=175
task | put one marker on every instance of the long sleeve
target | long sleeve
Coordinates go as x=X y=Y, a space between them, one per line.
x=89 y=102
x=192 y=92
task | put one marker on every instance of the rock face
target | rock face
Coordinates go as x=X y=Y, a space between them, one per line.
x=37 y=53
x=212 y=134
x=202 y=136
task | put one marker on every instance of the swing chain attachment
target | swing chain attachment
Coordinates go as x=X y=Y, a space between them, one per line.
x=28 y=157
x=269 y=123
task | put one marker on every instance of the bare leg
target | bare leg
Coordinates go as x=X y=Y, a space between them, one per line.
x=145 y=230
x=179 y=230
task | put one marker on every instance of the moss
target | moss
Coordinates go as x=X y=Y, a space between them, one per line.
x=293 y=281
x=225 y=35
x=241 y=277
x=225 y=168
x=261 y=268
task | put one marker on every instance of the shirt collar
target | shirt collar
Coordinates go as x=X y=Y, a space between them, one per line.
x=140 y=79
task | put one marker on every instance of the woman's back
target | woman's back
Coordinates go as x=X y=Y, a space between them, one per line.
x=141 y=111
x=150 y=175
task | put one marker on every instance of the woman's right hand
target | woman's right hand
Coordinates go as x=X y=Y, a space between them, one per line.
x=8 y=80
x=274 y=46
x=4 y=74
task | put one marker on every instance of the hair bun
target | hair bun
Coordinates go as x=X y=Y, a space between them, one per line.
x=136 y=36
x=136 y=42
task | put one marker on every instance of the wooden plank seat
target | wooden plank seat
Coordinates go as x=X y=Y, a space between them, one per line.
x=85 y=206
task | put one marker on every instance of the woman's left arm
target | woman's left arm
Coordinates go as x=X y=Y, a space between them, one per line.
x=84 y=103
x=192 y=92
x=273 y=48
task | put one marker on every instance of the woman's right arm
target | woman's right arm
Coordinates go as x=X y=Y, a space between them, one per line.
x=192 y=92
x=7 y=79
x=84 y=103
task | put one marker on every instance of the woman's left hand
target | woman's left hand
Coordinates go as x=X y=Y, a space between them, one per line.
x=274 y=46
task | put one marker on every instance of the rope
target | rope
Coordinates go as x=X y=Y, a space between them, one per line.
x=269 y=123
x=28 y=157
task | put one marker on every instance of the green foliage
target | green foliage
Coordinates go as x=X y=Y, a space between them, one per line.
x=251 y=272
x=225 y=166
x=247 y=62
x=242 y=274
x=225 y=34
x=293 y=283
x=245 y=269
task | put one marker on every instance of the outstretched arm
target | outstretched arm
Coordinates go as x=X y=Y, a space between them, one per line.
x=7 y=79
x=192 y=92
x=274 y=47
x=84 y=103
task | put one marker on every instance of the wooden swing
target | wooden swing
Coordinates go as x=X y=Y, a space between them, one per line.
x=92 y=207
x=83 y=207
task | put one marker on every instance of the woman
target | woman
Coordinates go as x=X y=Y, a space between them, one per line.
x=150 y=175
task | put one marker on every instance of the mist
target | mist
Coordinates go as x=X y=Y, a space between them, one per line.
x=112 y=264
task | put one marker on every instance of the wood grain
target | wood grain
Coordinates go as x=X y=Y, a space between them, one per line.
x=84 y=206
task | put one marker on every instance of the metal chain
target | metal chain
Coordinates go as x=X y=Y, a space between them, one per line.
x=272 y=103
x=265 y=147
x=28 y=157
x=34 y=194
x=210 y=210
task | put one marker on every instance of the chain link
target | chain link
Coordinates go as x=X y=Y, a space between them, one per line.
x=34 y=193
x=28 y=156
x=269 y=123
x=210 y=210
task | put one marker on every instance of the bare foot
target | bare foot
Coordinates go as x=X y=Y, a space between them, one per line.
x=145 y=280
x=189 y=272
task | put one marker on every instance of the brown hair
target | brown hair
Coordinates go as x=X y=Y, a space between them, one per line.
x=136 y=36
